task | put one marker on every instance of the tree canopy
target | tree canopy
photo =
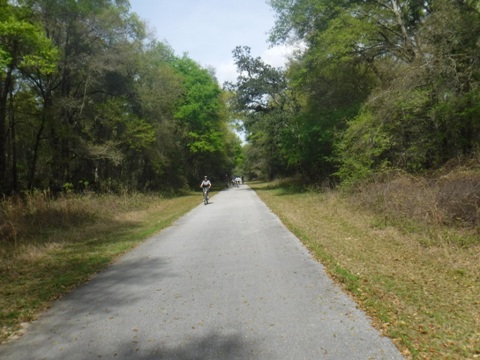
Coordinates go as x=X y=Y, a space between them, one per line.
x=379 y=85
x=87 y=100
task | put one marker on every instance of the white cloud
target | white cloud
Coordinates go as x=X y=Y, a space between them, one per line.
x=226 y=71
x=276 y=56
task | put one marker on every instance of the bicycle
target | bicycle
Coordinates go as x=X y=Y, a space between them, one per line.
x=205 y=195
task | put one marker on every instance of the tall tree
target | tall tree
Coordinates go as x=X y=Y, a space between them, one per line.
x=87 y=100
x=94 y=38
x=262 y=102
x=424 y=111
x=24 y=48
x=397 y=72
x=200 y=119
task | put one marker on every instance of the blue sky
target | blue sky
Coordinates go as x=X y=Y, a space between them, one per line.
x=208 y=30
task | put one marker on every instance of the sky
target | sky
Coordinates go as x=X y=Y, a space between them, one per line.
x=209 y=30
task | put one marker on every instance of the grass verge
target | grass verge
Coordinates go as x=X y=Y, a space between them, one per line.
x=48 y=247
x=420 y=291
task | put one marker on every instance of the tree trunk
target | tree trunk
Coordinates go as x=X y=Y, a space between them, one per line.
x=14 y=146
x=4 y=91
x=407 y=41
x=36 y=147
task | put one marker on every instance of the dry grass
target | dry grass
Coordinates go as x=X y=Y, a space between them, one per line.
x=406 y=248
x=420 y=282
x=49 y=246
x=451 y=199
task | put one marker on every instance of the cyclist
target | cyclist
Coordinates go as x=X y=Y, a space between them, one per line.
x=206 y=184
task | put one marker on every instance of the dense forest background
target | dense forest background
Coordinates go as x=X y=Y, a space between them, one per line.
x=88 y=100
x=376 y=85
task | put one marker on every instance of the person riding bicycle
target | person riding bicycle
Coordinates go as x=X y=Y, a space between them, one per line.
x=206 y=184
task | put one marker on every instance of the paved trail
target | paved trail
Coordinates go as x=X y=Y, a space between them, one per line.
x=226 y=281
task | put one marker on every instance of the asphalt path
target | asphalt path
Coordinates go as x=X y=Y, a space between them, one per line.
x=226 y=281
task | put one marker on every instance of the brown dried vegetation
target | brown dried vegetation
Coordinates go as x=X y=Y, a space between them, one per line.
x=406 y=248
x=49 y=246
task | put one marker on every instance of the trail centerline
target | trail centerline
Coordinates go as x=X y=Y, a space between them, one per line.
x=226 y=281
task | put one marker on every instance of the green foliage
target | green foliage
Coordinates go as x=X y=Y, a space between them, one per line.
x=265 y=108
x=200 y=120
x=86 y=99
x=25 y=51
x=117 y=124
x=200 y=105
x=362 y=148
x=68 y=188
x=407 y=64
x=345 y=39
x=298 y=19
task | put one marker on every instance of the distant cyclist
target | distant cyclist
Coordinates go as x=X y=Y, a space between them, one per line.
x=206 y=184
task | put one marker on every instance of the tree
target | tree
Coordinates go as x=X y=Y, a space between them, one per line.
x=200 y=121
x=262 y=102
x=24 y=48
x=428 y=107
x=87 y=100
x=399 y=73
x=95 y=39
